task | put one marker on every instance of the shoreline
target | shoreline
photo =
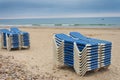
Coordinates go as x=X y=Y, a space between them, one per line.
x=60 y=27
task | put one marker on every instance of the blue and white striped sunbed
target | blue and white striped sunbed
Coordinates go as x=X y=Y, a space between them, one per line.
x=104 y=47
x=3 y=33
x=14 y=38
x=67 y=53
x=23 y=37
x=9 y=39
x=87 y=59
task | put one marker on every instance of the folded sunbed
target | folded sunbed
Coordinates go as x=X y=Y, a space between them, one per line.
x=9 y=39
x=3 y=39
x=23 y=37
x=82 y=55
x=104 y=47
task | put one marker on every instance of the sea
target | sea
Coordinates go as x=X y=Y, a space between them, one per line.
x=83 y=22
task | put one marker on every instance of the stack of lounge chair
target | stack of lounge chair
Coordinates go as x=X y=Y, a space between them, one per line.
x=82 y=53
x=104 y=47
x=3 y=37
x=14 y=39
x=64 y=49
x=23 y=37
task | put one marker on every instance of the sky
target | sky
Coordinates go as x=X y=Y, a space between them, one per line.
x=58 y=8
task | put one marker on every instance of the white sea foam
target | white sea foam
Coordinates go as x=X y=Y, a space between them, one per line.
x=26 y=25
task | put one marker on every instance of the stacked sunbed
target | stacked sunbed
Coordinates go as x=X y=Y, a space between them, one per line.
x=82 y=53
x=64 y=49
x=104 y=47
x=23 y=37
x=12 y=39
x=3 y=37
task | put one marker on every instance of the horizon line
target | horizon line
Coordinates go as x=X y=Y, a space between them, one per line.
x=60 y=17
x=64 y=16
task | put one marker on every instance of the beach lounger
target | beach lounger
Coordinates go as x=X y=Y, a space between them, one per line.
x=23 y=37
x=81 y=55
x=3 y=38
x=64 y=49
x=9 y=39
x=104 y=48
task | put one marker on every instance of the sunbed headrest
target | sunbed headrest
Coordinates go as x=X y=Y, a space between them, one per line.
x=64 y=37
x=4 y=31
x=77 y=35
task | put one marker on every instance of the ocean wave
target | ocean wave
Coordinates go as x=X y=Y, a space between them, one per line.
x=26 y=25
x=64 y=25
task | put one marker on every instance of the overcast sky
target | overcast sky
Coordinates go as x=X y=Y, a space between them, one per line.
x=58 y=8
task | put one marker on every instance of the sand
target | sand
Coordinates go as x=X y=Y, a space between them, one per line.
x=39 y=58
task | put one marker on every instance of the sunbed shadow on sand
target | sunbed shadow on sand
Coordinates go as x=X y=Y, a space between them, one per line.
x=88 y=74
x=16 y=49
x=67 y=68
x=92 y=73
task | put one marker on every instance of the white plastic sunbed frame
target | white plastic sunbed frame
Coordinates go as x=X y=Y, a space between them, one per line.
x=81 y=63
x=21 y=42
x=58 y=52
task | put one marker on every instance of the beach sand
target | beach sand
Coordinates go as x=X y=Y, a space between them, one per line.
x=39 y=58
